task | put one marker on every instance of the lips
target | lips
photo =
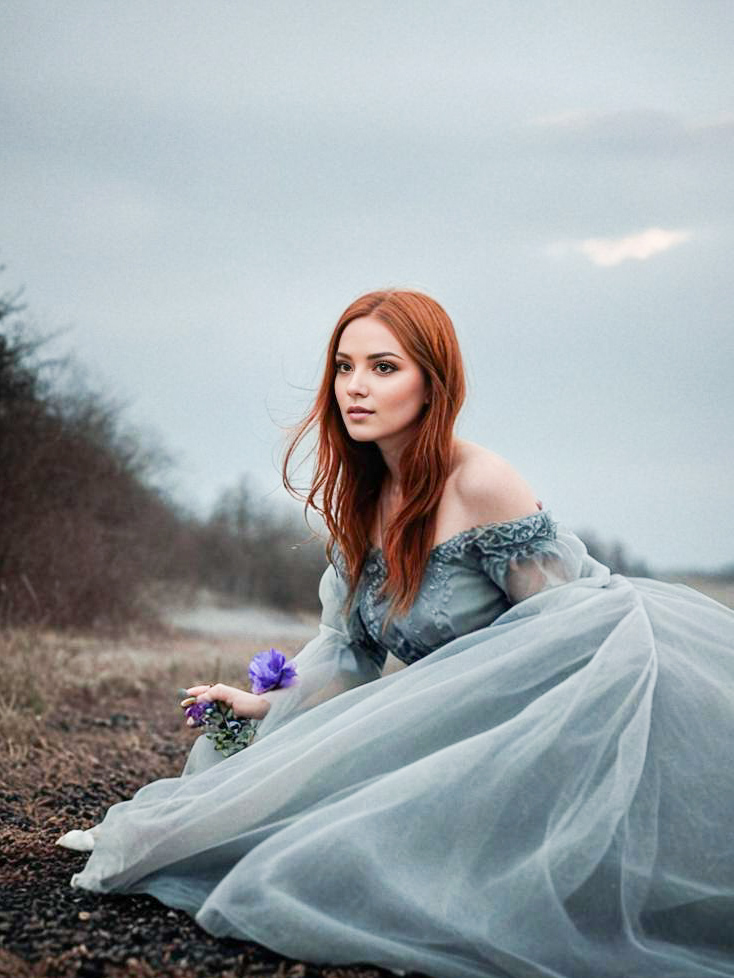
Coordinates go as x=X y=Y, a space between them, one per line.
x=358 y=412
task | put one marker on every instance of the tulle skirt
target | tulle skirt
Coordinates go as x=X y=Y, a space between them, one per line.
x=548 y=796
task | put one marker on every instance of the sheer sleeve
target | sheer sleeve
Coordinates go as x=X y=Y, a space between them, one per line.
x=525 y=557
x=331 y=663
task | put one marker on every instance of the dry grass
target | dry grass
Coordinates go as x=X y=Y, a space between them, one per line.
x=46 y=670
x=720 y=589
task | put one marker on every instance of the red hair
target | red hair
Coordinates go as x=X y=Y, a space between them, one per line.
x=348 y=475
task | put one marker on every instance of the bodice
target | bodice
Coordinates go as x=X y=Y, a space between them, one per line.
x=460 y=591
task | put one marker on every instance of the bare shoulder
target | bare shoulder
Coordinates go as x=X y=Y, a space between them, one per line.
x=487 y=488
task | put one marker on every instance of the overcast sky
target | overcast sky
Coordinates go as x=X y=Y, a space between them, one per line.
x=198 y=189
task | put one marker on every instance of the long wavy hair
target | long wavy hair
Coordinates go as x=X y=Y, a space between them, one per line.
x=348 y=475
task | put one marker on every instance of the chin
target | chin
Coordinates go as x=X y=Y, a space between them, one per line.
x=360 y=435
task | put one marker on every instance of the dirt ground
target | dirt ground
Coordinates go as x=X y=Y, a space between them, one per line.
x=87 y=722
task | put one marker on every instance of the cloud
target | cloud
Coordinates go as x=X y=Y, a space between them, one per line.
x=635 y=132
x=608 y=252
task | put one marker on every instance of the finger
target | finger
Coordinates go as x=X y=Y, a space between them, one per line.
x=216 y=692
x=197 y=690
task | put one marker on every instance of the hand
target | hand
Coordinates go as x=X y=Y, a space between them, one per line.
x=243 y=704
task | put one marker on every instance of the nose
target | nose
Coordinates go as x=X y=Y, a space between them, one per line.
x=357 y=383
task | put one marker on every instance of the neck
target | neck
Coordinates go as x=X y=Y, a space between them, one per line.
x=391 y=450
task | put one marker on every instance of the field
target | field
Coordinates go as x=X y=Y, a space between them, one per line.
x=719 y=588
x=84 y=723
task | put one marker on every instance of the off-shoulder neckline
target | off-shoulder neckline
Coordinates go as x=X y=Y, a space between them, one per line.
x=472 y=532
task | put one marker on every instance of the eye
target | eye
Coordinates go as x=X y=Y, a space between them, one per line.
x=385 y=363
x=341 y=364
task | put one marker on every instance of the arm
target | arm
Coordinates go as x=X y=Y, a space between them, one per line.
x=329 y=664
x=530 y=556
x=528 y=572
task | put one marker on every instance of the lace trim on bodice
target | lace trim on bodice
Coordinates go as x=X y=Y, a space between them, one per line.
x=512 y=538
x=509 y=539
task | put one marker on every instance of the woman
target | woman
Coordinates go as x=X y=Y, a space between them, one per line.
x=545 y=790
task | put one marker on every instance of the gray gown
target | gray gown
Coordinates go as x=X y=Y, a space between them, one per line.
x=546 y=790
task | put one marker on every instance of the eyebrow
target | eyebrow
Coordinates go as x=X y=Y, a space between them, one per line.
x=371 y=356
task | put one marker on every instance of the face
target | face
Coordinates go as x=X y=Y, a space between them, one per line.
x=379 y=387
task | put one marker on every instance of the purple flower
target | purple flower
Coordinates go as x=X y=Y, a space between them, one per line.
x=269 y=670
x=197 y=713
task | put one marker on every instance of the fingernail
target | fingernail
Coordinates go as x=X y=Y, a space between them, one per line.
x=188 y=701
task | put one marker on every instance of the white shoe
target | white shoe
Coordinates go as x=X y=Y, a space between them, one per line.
x=80 y=840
